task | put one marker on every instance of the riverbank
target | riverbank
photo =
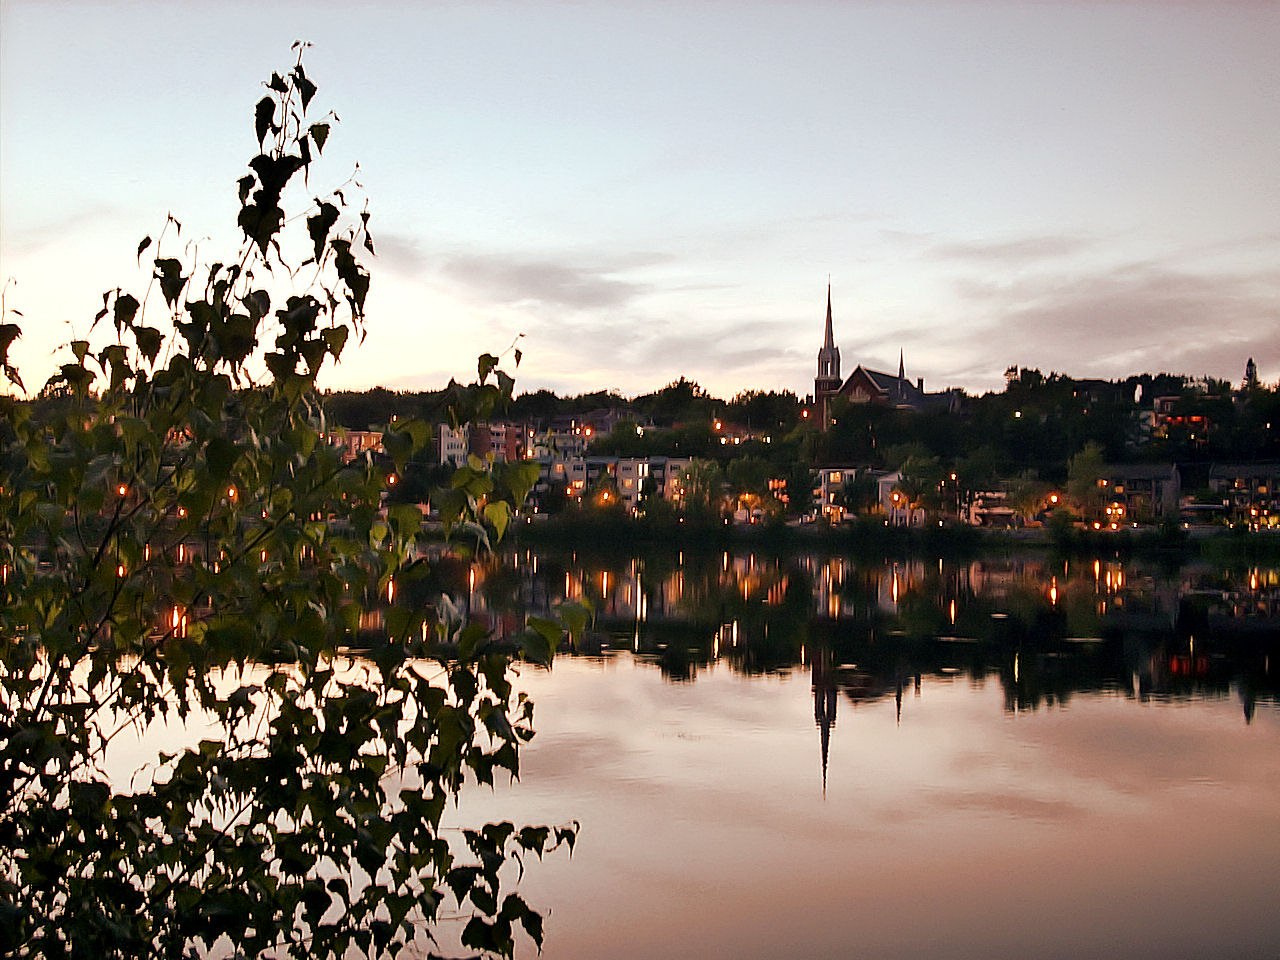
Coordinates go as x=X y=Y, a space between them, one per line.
x=605 y=531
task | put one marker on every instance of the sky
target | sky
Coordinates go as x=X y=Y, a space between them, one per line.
x=635 y=192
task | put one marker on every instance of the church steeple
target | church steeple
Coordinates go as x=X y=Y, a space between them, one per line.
x=829 y=355
x=827 y=383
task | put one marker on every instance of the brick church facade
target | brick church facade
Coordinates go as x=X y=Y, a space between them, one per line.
x=864 y=385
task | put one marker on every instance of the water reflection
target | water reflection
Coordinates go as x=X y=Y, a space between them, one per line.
x=1048 y=629
x=830 y=756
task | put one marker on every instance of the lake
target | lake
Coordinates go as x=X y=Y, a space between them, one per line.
x=816 y=756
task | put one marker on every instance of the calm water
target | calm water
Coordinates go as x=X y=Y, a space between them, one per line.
x=815 y=757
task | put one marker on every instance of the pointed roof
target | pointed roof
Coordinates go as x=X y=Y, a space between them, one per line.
x=829 y=354
x=828 y=340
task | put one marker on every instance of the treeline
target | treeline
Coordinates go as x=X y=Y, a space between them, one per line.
x=1032 y=427
x=682 y=402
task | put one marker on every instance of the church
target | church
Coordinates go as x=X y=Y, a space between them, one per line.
x=869 y=386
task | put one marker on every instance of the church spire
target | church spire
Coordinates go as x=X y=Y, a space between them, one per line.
x=829 y=355
x=902 y=375
x=829 y=340
x=827 y=383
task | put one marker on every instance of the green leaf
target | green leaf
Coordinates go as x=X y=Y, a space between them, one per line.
x=220 y=454
x=264 y=118
x=169 y=273
x=319 y=226
x=257 y=302
x=319 y=134
x=306 y=89
x=149 y=341
x=499 y=516
x=126 y=308
x=335 y=338
x=9 y=332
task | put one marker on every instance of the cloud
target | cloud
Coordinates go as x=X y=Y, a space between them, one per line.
x=505 y=278
x=515 y=280
x=1017 y=251
x=400 y=254
x=39 y=235
x=1139 y=317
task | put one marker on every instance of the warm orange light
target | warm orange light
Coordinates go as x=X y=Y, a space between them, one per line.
x=231 y=493
x=122 y=489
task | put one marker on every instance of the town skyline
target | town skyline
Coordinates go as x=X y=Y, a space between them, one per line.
x=646 y=195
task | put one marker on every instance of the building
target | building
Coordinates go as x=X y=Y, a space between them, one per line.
x=1250 y=491
x=864 y=385
x=452 y=445
x=503 y=442
x=829 y=493
x=1140 y=492
x=354 y=443
x=630 y=479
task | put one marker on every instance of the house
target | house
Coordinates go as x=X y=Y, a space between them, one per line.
x=828 y=495
x=1250 y=491
x=1140 y=492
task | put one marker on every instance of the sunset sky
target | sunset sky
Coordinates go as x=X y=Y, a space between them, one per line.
x=655 y=190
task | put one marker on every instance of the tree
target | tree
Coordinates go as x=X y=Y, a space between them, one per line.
x=703 y=486
x=920 y=483
x=680 y=401
x=180 y=546
x=1027 y=495
x=860 y=493
x=761 y=410
x=1083 y=472
x=748 y=480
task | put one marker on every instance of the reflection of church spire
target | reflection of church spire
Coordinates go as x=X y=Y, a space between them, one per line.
x=824 y=704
